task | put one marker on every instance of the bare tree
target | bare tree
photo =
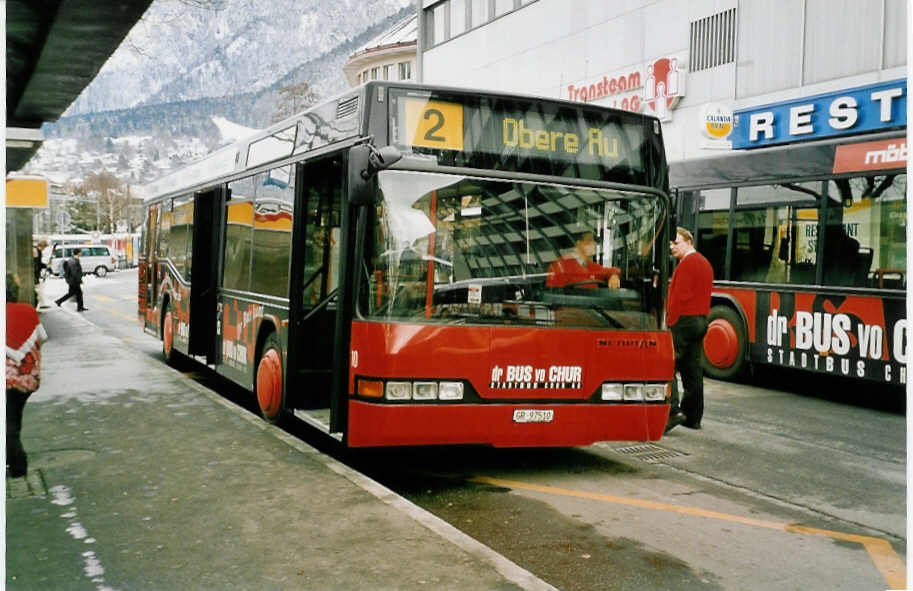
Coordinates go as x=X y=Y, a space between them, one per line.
x=102 y=201
x=293 y=99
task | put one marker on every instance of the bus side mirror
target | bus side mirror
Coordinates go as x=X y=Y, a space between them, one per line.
x=359 y=175
x=364 y=162
x=384 y=158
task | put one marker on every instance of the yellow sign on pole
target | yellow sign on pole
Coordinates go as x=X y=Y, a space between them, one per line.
x=27 y=192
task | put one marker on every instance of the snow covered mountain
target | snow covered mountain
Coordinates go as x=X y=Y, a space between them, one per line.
x=194 y=72
x=190 y=49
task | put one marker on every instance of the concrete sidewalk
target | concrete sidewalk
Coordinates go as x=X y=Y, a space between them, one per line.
x=139 y=478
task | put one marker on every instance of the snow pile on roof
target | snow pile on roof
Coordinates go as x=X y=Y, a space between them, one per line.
x=405 y=31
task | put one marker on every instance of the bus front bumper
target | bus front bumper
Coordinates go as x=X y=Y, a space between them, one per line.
x=503 y=425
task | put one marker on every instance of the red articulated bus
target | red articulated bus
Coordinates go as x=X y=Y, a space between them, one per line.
x=379 y=266
x=808 y=247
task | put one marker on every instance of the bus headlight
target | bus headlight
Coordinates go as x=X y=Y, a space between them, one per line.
x=451 y=391
x=424 y=391
x=399 y=390
x=634 y=391
x=654 y=392
x=612 y=391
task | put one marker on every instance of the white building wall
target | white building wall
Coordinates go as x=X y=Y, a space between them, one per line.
x=548 y=45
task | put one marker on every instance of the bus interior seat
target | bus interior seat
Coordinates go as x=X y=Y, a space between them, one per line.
x=864 y=264
x=845 y=265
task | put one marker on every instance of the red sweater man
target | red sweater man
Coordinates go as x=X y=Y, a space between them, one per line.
x=689 y=292
x=689 y=305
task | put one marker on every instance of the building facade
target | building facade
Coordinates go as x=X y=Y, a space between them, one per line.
x=702 y=66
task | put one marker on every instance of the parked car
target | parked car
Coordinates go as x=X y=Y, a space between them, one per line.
x=95 y=258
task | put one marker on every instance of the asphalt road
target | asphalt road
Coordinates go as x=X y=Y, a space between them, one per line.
x=793 y=483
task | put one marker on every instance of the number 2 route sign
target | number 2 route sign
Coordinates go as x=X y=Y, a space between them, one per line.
x=437 y=124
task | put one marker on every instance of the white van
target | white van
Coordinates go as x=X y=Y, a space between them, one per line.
x=95 y=258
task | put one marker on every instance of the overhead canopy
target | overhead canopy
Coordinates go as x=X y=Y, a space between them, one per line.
x=54 y=48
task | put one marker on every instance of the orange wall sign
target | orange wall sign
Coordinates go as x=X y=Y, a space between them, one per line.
x=879 y=155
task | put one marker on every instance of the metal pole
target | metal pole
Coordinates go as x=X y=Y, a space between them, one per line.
x=419 y=42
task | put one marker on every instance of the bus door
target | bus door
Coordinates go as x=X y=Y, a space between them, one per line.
x=147 y=272
x=314 y=280
x=207 y=211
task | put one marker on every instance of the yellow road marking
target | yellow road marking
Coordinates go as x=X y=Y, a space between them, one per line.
x=101 y=297
x=880 y=551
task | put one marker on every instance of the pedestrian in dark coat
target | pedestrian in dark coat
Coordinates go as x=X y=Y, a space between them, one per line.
x=72 y=272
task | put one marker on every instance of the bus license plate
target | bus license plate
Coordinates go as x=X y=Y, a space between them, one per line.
x=528 y=415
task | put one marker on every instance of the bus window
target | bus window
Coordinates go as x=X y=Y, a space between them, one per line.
x=239 y=221
x=774 y=233
x=455 y=250
x=179 y=236
x=322 y=240
x=273 y=231
x=713 y=226
x=865 y=242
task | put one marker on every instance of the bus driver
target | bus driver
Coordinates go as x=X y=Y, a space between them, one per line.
x=577 y=268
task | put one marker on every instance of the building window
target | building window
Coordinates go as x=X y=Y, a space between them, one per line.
x=713 y=41
x=457 y=17
x=374 y=73
x=388 y=72
x=405 y=70
x=440 y=22
x=450 y=18
x=479 y=12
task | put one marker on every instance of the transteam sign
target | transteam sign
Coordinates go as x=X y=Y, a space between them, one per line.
x=656 y=88
x=875 y=107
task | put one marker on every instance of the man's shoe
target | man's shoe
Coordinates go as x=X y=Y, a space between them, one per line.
x=692 y=424
x=675 y=419
x=58 y=303
x=82 y=309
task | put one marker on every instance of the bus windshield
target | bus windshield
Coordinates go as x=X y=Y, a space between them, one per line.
x=456 y=249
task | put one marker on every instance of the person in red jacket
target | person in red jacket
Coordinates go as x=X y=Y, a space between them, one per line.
x=578 y=269
x=24 y=335
x=688 y=307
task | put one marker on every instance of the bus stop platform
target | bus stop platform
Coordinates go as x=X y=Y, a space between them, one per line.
x=140 y=478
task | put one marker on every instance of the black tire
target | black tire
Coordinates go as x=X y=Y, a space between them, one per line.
x=269 y=388
x=101 y=271
x=727 y=342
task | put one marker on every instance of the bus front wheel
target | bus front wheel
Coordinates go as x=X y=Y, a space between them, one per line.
x=270 y=393
x=725 y=344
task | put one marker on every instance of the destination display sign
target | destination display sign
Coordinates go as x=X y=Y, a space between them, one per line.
x=544 y=137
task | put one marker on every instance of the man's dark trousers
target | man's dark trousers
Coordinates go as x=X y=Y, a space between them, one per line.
x=72 y=270
x=688 y=338
x=75 y=290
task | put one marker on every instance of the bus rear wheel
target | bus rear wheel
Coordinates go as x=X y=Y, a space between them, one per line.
x=725 y=344
x=168 y=338
x=268 y=382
